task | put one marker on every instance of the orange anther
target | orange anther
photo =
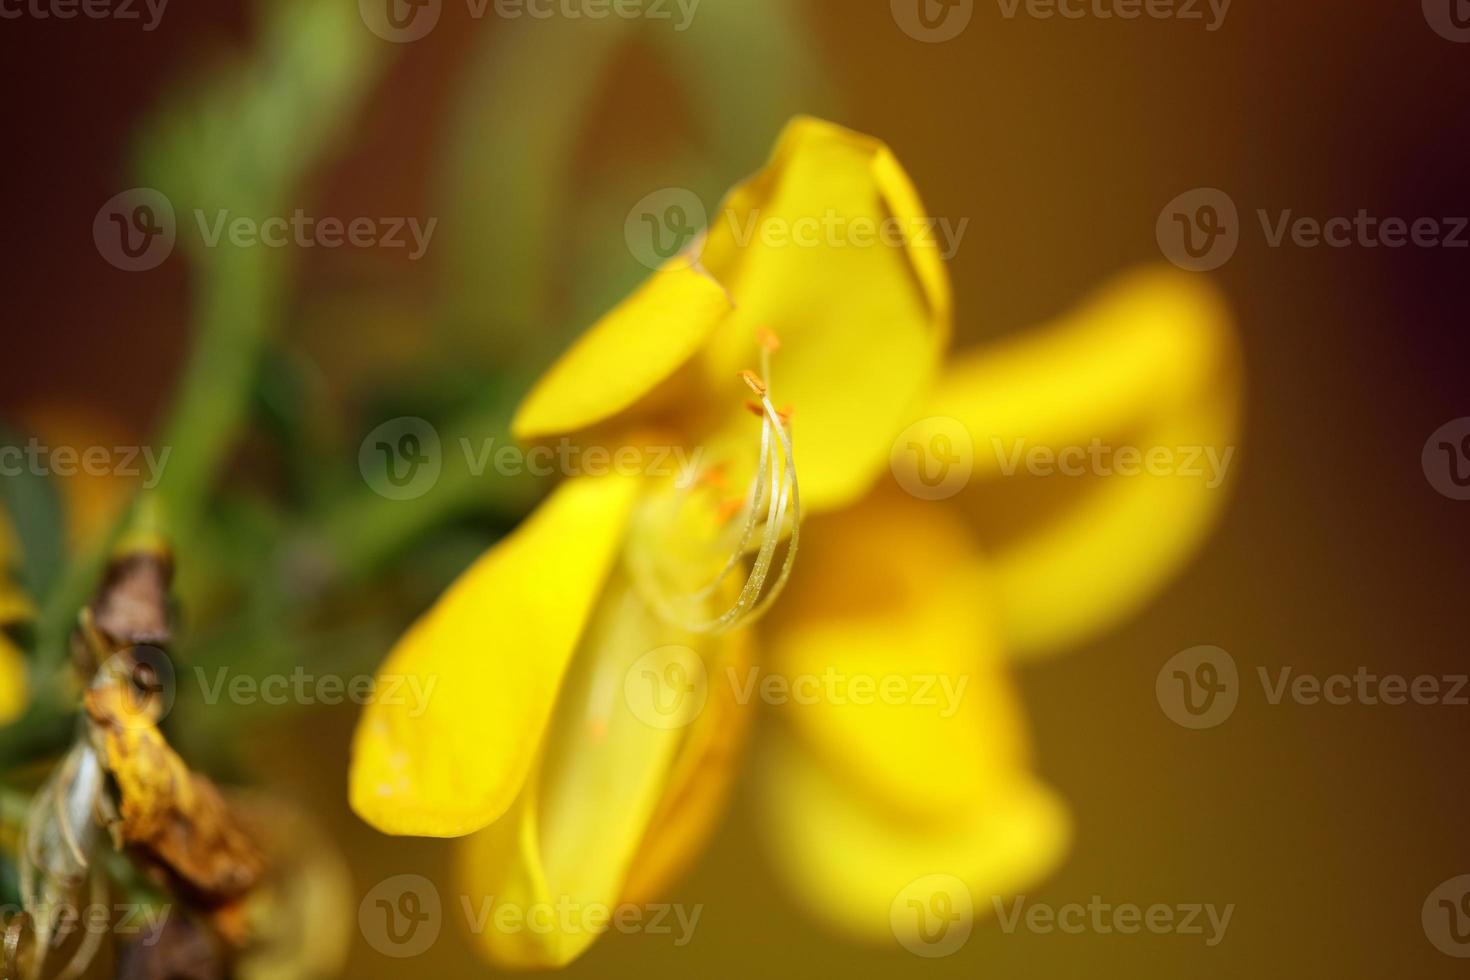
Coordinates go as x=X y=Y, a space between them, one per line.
x=728 y=509
x=714 y=477
x=759 y=411
x=767 y=338
x=754 y=382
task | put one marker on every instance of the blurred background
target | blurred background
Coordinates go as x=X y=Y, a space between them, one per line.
x=1060 y=140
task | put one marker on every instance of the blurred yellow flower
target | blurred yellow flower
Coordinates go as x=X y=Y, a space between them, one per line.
x=863 y=804
x=13 y=684
x=15 y=606
x=572 y=791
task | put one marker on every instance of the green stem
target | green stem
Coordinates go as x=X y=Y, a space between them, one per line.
x=241 y=291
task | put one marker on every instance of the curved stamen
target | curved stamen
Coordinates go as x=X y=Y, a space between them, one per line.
x=775 y=491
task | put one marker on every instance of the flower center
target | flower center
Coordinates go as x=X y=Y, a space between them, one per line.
x=754 y=528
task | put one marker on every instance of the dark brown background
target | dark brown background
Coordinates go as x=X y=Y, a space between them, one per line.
x=1326 y=826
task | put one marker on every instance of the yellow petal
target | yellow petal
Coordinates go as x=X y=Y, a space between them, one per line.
x=862 y=325
x=1149 y=365
x=544 y=880
x=13 y=686
x=879 y=795
x=474 y=681
x=856 y=866
x=626 y=354
x=887 y=642
x=799 y=249
x=699 y=784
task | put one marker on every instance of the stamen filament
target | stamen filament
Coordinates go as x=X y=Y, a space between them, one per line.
x=775 y=491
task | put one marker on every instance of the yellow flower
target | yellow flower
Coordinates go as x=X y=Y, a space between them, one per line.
x=545 y=743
